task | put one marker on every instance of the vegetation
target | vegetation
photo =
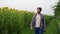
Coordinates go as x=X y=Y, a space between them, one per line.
x=57 y=14
x=14 y=21
x=57 y=9
x=52 y=27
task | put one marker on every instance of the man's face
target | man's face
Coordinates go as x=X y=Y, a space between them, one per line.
x=38 y=10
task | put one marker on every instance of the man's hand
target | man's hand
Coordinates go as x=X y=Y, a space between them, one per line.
x=44 y=29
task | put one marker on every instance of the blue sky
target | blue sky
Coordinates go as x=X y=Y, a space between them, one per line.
x=30 y=5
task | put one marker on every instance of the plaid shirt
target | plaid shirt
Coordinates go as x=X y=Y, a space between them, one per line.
x=42 y=24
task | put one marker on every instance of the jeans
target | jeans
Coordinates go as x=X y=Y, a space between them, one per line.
x=38 y=31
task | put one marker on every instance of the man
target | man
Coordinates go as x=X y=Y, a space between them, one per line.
x=38 y=22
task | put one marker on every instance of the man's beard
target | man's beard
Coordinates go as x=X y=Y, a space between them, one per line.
x=38 y=12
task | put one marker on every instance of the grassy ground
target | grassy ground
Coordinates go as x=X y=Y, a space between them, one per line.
x=58 y=22
x=51 y=29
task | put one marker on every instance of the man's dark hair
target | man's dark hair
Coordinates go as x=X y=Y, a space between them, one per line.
x=39 y=8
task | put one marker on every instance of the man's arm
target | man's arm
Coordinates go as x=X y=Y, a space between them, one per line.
x=31 y=25
x=32 y=22
x=44 y=24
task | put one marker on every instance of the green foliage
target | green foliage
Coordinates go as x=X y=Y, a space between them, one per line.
x=14 y=21
x=48 y=19
x=52 y=27
x=57 y=9
x=57 y=14
x=58 y=22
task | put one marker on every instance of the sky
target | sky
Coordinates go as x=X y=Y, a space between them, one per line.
x=31 y=5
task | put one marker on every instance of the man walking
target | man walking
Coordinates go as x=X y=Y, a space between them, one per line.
x=38 y=22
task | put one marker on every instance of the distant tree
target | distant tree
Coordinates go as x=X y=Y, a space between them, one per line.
x=57 y=9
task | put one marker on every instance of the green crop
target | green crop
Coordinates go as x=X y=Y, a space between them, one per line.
x=14 y=21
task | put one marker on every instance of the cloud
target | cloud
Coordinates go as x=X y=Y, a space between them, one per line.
x=30 y=5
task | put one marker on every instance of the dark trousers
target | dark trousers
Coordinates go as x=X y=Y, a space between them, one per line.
x=38 y=31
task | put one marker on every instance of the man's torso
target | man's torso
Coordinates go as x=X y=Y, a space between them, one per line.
x=38 y=19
